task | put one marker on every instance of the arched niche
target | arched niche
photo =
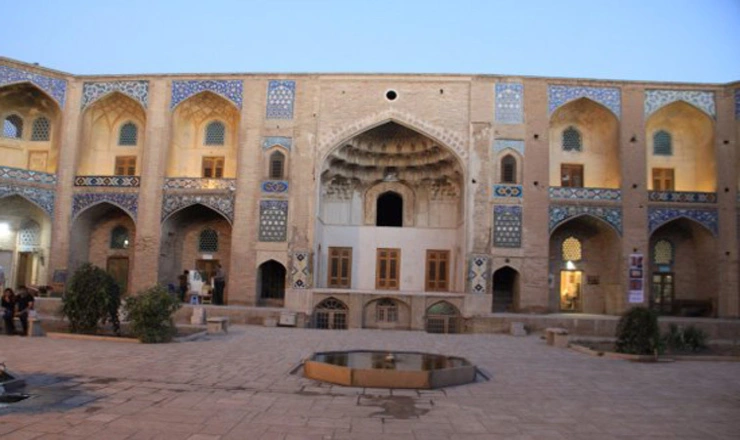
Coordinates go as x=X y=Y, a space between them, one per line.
x=371 y=201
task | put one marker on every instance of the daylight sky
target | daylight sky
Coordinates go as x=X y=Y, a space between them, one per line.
x=661 y=40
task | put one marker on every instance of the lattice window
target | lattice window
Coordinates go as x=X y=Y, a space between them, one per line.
x=662 y=144
x=331 y=314
x=572 y=140
x=129 y=134
x=663 y=252
x=507 y=226
x=386 y=310
x=277 y=165
x=273 y=220
x=13 y=127
x=119 y=238
x=508 y=169
x=442 y=317
x=41 y=129
x=215 y=133
x=29 y=237
x=208 y=241
x=571 y=249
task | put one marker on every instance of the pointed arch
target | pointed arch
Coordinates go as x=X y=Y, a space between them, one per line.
x=39 y=197
x=706 y=218
x=561 y=214
x=177 y=203
x=79 y=208
x=56 y=95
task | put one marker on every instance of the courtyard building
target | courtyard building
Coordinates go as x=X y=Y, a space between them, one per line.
x=378 y=200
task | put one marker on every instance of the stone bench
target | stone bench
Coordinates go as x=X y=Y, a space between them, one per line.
x=557 y=337
x=34 y=326
x=217 y=325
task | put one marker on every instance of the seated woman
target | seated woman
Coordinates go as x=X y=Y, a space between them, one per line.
x=24 y=305
x=8 y=308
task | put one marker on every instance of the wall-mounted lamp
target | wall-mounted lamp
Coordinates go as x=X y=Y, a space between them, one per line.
x=569 y=265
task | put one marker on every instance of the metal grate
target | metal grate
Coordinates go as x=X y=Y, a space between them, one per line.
x=572 y=140
x=662 y=144
x=29 y=237
x=215 y=133
x=119 y=238
x=663 y=252
x=41 y=129
x=572 y=249
x=129 y=134
x=208 y=241
x=13 y=127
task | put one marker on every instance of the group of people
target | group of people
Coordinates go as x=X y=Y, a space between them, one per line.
x=219 y=283
x=20 y=306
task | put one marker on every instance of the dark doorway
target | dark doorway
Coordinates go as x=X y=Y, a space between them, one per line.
x=390 y=210
x=272 y=284
x=504 y=290
x=118 y=269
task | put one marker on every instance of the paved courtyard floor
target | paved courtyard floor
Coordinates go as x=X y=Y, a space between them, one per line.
x=239 y=386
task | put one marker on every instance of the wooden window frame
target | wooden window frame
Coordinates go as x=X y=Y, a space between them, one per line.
x=435 y=284
x=665 y=179
x=216 y=164
x=508 y=162
x=276 y=165
x=123 y=164
x=383 y=281
x=570 y=168
x=343 y=258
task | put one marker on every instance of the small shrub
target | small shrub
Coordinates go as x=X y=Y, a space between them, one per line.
x=685 y=339
x=638 y=332
x=92 y=298
x=150 y=313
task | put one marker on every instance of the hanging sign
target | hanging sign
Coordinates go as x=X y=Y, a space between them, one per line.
x=636 y=287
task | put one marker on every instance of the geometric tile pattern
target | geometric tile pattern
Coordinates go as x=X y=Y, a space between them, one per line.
x=27 y=175
x=280 y=99
x=706 y=217
x=507 y=226
x=301 y=269
x=737 y=104
x=129 y=202
x=509 y=103
x=110 y=181
x=566 y=193
x=56 y=88
x=274 y=186
x=655 y=99
x=271 y=141
x=273 y=220
x=609 y=97
x=221 y=203
x=184 y=89
x=478 y=270
x=610 y=214
x=199 y=183
x=682 y=197
x=137 y=90
x=502 y=144
x=41 y=197
x=504 y=191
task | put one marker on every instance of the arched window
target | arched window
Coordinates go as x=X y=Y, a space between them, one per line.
x=129 y=134
x=386 y=310
x=508 y=169
x=41 y=129
x=13 y=127
x=331 y=314
x=277 y=165
x=571 y=249
x=663 y=252
x=443 y=317
x=215 y=133
x=119 y=238
x=389 y=210
x=662 y=143
x=208 y=241
x=572 y=140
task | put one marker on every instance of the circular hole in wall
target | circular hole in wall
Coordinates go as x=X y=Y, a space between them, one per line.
x=391 y=95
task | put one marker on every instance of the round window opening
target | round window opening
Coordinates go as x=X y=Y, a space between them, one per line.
x=391 y=95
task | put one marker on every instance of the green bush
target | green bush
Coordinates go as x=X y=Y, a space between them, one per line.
x=150 y=313
x=638 y=332
x=92 y=297
x=685 y=339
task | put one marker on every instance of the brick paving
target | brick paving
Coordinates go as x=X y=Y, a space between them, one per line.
x=239 y=386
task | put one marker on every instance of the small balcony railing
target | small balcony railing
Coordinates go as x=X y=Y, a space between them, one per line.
x=108 y=181
x=194 y=183
x=27 y=176
x=682 y=197
x=595 y=194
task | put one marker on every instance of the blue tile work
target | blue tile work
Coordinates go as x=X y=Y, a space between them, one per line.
x=507 y=226
x=274 y=186
x=184 y=89
x=27 y=176
x=509 y=103
x=610 y=214
x=137 y=90
x=478 y=273
x=41 y=197
x=199 y=183
x=565 y=193
x=110 y=181
x=301 y=270
x=280 y=99
x=506 y=191
x=660 y=216
x=500 y=145
x=271 y=141
x=56 y=88
x=682 y=197
x=737 y=104
x=129 y=202
x=655 y=99
x=609 y=97
x=221 y=203
x=273 y=220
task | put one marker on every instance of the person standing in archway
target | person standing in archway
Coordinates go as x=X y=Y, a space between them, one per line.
x=219 y=281
x=8 y=306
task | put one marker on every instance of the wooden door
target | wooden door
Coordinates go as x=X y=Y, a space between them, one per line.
x=207 y=269
x=571 y=175
x=437 y=273
x=663 y=292
x=117 y=267
x=25 y=268
x=388 y=269
x=340 y=267
x=663 y=179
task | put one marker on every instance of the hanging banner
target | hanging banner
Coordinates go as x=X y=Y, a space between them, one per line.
x=636 y=286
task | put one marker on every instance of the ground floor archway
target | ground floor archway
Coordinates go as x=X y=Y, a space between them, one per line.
x=505 y=290
x=331 y=314
x=387 y=313
x=271 y=284
x=443 y=317
x=25 y=238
